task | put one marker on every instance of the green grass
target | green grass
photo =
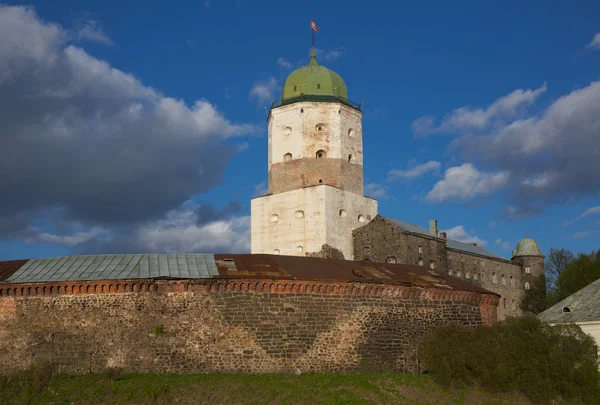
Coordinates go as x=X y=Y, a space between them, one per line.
x=115 y=388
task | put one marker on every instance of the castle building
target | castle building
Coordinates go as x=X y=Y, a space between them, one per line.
x=315 y=195
x=315 y=204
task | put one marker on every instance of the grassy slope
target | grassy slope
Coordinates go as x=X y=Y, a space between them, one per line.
x=251 y=389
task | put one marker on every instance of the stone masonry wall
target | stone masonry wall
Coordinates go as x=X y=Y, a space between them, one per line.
x=306 y=172
x=383 y=240
x=240 y=326
x=481 y=271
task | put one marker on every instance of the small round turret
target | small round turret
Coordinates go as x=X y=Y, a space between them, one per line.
x=527 y=247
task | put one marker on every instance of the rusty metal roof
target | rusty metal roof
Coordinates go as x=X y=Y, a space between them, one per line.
x=206 y=266
x=9 y=268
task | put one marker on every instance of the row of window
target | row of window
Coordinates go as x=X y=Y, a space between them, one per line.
x=321 y=154
x=513 y=304
x=299 y=249
x=300 y=214
x=319 y=127
x=494 y=278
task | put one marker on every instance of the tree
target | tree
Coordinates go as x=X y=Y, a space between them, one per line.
x=555 y=263
x=582 y=271
x=535 y=299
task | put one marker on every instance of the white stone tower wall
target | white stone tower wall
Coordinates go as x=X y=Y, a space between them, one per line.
x=329 y=217
x=304 y=140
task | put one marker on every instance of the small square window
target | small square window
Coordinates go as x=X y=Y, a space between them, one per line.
x=318 y=86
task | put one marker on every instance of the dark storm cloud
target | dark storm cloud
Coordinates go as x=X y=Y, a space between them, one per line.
x=78 y=134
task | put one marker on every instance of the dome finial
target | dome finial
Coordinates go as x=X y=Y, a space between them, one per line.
x=313 y=57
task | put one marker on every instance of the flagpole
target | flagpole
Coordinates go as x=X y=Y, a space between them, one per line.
x=313 y=31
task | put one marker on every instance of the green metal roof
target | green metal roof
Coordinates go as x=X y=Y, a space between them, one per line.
x=527 y=247
x=314 y=80
x=103 y=267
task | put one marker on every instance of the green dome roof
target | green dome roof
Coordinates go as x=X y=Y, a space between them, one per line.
x=314 y=80
x=527 y=247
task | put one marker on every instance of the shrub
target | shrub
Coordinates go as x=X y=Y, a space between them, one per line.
x=21 y=387
x=516 y=355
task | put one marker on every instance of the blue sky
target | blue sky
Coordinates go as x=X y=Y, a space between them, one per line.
x=141 y=126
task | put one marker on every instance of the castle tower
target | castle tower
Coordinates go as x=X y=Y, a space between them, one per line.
x=530 y=257
x=315 y=195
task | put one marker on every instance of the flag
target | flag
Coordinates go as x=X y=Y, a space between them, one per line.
x=314 y=26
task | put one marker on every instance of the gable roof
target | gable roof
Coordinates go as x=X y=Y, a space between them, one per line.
x=249 y=266
x=106 y=267
x=468 y=248
x=450 y=244
x=412 y=228
x=584 y=306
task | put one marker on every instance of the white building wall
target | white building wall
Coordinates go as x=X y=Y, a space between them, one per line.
x=321 y=221
x=292 y=129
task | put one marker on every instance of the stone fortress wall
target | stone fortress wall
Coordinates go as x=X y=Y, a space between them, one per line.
x=240 y=326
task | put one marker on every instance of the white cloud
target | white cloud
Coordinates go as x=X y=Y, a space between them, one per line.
x=265 y=91
x=590 y=211
x=595 y=43
x=94 y=140
x=586 y=213
x=414 y=172
x=551 y=156
x=504 y=245
x=464 y=183
x=581 y=235
x=423 y=126
x=284 y=63
x=79 y=237
x=179 y=232
x=377 y=191
x=261 y=189
x=331 y=54
x=468 y=119
x=460 y=234
x=90 y=31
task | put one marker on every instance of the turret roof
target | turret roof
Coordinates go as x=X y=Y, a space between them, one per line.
x=314 y=80
x=527 y=247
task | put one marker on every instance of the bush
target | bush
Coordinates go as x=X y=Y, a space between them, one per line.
x=21 y=387
x=516 y=355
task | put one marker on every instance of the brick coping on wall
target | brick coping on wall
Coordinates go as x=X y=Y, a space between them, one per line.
x=332 y=287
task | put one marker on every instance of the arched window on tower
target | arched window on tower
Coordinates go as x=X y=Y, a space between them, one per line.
x=503 y=279
x=494 y=278
x=512 y=281
x=287 y=157
x=527 y=285
x=432 y=265
x=467 y=274
x=321 y=154
x=528 y=269
x=420 y=262
x=391 y=260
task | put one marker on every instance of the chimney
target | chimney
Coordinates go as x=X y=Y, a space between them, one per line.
x=433 y=227
x=443 y=235
x=473 y=243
